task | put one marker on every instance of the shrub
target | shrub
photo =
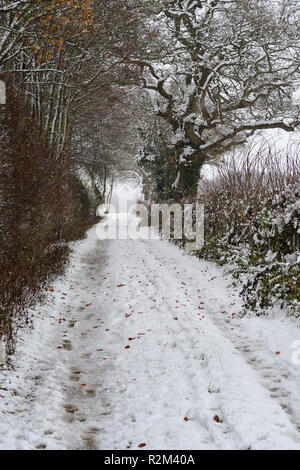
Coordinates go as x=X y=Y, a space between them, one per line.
x=252 y=225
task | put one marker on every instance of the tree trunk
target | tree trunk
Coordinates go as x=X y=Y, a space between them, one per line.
x=189 y=171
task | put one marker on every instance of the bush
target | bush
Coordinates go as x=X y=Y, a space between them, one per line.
x=252 y=225
x=42 y=208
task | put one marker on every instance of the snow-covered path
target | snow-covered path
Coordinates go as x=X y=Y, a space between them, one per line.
x=141 y=345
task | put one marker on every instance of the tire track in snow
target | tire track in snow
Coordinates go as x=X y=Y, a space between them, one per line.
x=274 y=375
x=96 y=393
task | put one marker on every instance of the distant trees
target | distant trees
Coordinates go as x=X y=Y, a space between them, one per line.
x=103 y=141
x=227 y=70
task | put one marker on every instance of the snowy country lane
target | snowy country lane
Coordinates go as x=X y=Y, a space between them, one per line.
x=141 y=345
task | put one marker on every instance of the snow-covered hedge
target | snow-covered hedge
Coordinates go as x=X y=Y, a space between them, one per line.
x=252 y=225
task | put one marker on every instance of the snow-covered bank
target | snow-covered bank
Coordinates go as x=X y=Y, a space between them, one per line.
x=142 y=345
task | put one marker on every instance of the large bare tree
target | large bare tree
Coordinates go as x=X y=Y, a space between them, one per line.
x=228 y=70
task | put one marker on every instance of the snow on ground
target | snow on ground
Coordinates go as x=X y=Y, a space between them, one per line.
x=142 y=344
